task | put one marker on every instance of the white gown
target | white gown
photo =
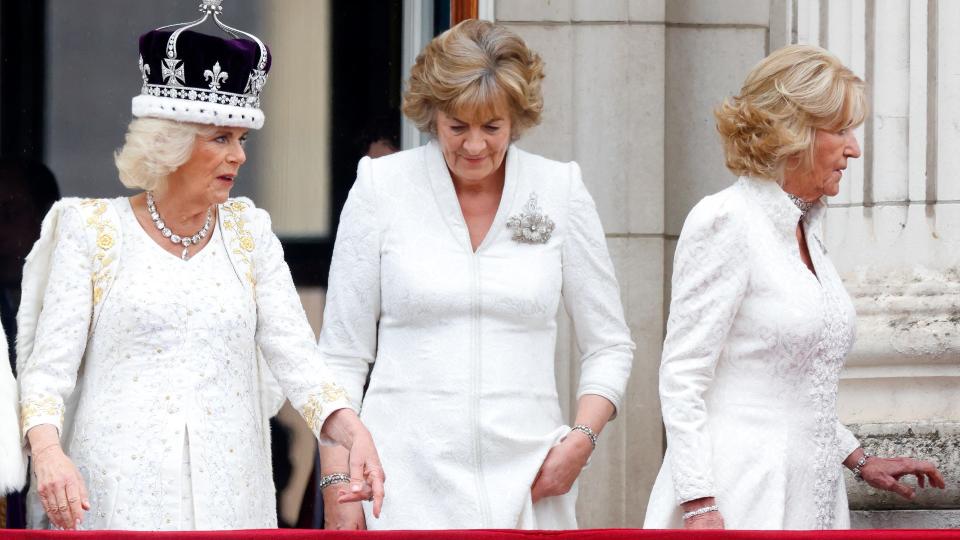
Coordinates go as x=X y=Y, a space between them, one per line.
x=462 y=400
x=168 y=430
x=751 y=362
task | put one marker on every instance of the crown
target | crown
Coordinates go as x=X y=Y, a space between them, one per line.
x=193 y=77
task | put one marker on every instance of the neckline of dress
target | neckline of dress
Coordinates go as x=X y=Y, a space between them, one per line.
x=777 y=205
x=446 y=196
x=214 y=233
x=785 y=217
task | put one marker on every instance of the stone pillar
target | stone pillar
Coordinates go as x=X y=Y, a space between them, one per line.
x=294 y=165
x=894 y=234
x=604 y=96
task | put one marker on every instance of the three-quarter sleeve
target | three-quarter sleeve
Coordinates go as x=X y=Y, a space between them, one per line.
x=591 y=297
x=48 y=376
x=348 y=340
x=710 y=279
x=285 y=338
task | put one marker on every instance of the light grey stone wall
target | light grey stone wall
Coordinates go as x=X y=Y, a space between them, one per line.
x=604 y=95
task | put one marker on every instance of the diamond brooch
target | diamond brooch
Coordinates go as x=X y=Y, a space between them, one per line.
x=531 y=226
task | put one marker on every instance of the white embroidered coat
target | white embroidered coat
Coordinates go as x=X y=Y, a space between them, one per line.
x=13 y=467
x=462 y=400
x=751 y=362
x=171 y=366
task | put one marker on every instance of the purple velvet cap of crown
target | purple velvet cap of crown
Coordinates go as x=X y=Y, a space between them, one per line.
x=210 y=79
x=199 y=52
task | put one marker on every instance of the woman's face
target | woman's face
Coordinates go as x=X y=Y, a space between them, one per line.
x=210 y=172
x=831 y=149
x=474 y=148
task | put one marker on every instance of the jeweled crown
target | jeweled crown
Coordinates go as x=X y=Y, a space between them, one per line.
x=193 y=77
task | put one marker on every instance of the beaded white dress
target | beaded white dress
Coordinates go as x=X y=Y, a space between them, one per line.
x=167 y=431
x=750 y=369
x=462 y=400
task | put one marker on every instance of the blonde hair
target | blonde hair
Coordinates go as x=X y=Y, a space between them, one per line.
x=788 y=96
x=154 y=148
x=471 y=70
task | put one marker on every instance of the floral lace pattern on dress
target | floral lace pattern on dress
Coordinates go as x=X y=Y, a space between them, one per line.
x=751 y=364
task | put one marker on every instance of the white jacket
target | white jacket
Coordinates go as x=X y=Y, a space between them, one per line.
x=751 y=362
x=463 y=400
x=140 y=358
x=13 y=466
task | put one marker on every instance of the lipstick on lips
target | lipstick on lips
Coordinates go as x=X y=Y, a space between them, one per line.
x=474 y=160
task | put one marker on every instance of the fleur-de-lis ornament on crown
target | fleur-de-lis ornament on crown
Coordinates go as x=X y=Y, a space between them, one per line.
x=531 y=226
x=215 y=77
x=144 y=73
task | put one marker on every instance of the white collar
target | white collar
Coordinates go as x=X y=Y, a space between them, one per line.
x=779 y=208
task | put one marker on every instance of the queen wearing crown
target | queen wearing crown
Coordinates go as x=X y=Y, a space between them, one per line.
x=153 y=327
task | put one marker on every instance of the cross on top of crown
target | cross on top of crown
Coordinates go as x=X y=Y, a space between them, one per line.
x=211 y=7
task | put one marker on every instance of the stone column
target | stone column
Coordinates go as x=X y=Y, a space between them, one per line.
x=604 y=96
x=894 y=234
x=294 y=165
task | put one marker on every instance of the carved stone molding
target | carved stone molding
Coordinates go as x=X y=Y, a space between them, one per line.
x=909 y=317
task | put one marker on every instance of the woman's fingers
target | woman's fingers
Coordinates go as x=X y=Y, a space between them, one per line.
x=536 y=490
x=356 y=491
x=73 y=500
x=84 y=495
x=376 y=478
x=377 y=496
x=61 y=512
x=50 y=507
x=923 y=470
x=902 y=489
x=933 y=474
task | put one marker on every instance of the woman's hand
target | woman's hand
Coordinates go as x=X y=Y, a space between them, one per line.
x=709 y=520
x=562 y=466
x=339 y=516
x=884 y=473
x=366 y=472
x=60 y=487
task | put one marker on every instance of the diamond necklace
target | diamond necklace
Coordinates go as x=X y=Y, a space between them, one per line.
x=803 y=205
x=185 y=241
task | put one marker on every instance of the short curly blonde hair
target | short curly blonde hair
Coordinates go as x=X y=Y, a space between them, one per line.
x=471 y=70
x=788 y=96
x=154 y=148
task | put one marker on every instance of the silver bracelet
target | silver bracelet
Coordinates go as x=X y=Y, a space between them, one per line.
x=328 y=480
x=860 y=463
x=588 y=432
x=700 y=511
